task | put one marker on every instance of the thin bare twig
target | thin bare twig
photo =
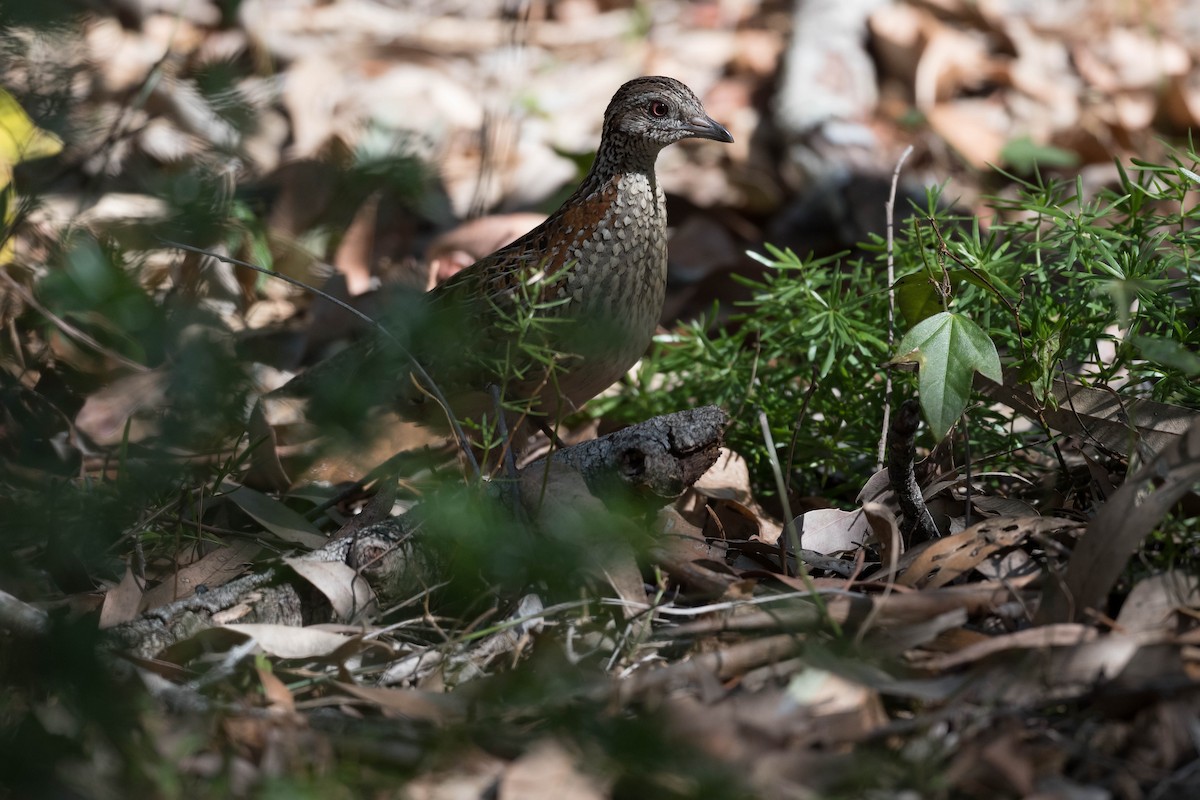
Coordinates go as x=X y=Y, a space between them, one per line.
x=790 y=526
x=918 y=524
x=890 y=210
x=69 y=329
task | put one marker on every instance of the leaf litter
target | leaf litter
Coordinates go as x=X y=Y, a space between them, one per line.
x=1007 y=655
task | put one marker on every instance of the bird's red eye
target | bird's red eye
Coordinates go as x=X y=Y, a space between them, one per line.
x=658 y=108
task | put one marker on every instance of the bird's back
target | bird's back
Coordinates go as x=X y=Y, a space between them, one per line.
x=587 y=284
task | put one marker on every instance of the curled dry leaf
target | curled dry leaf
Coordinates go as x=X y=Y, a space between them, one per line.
x=121 y=602
x=347 y=591
x=944 y=560
x=279 y=697
x=722 y=504
x=1045 y=636
x=547 y=771
x=1102 y=416
x=285 y=641
x=405 y=703
x=831 y=530
x=135 y=397
x=1154 y=601
x=215 y=569
x=1120 y=526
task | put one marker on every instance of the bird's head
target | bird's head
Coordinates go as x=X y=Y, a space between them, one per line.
x=650 y=113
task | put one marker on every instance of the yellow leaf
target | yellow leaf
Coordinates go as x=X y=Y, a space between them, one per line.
x=20 y=139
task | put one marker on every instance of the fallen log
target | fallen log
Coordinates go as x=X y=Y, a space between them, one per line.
x=650 y=463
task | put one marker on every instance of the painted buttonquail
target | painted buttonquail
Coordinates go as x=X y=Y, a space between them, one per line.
x=584 y=289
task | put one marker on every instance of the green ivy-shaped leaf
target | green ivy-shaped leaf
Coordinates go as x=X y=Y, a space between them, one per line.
x=948 y=350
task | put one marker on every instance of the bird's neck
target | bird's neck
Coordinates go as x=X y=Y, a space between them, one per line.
x=619 y=155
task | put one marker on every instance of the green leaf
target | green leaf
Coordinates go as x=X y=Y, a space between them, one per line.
x=1025 y=155
x=273 y=515
x=917 y=297
x=1168 y=353
x=948 y=349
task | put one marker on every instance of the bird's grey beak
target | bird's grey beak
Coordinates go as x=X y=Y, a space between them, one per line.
x=704 y=127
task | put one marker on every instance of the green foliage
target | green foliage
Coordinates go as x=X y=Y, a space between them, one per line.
x=948 y=350
x=805 y=349
x=1026 y=156
x=1112 y=269
x=1054 y=274
x=1098 y=287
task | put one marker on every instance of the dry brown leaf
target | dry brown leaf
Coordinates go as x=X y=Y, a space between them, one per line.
x=279 y=698
x=1040 y=638
x=122 y=58
x=952 y=62
x=313 y=88
x=1119 y=527
x=213 y=570
x=877 y=489
x=276 y=517
x=354 y=255
x=729 y=478
x=1127 y=59
x=728 y=662
x=1042 y=71
x=756 y=52
x=944 y=560
x=1181 y=100
x=831 y=530
x=546 y=771
x=886 y=531
x=977 y=129
x=122 y=602
x=685 y=555
x=285 y=641
x=732 y=521
x=1002 y=506
x=266 y=472
x=895 y=639
x=732 y=512
x=1097 y=414
x=903 y=607
x=1154 y=601
x=405 y=703
x=105 y=412
x=899 y=34
x=1131 y=111
x=348 y=592
x=837 y=710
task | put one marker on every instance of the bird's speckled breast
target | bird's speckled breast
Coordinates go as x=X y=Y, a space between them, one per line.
x=618 y=282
